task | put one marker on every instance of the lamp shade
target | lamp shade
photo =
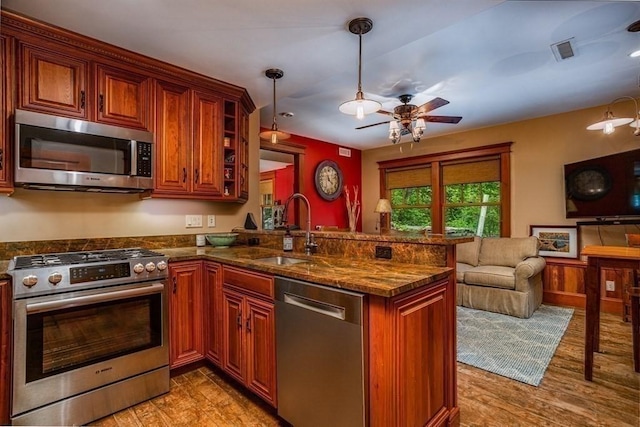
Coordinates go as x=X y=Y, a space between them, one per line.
x=383 y=206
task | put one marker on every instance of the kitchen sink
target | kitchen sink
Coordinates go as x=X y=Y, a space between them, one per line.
x=281 y=260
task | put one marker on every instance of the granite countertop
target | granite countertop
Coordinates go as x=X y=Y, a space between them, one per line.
x=381 y=278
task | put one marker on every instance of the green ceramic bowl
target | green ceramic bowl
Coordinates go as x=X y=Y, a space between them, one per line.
x=221 y=240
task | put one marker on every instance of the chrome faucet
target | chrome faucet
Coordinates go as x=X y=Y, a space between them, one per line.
x=310 y=246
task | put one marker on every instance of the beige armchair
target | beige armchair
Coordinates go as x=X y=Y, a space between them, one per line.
x=502 y=275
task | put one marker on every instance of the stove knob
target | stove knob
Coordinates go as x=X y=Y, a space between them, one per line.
x=162 y=265
x=55 y=278
x=150 y=267
x=138 y=268
x=30 y=280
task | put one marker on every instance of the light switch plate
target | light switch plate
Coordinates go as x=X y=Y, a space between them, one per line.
x=193 y=221
x=610 y=286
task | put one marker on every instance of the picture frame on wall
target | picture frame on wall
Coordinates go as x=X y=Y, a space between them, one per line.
x=558 y=241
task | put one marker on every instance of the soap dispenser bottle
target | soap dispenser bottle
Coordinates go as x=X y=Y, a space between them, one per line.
x=287 y=241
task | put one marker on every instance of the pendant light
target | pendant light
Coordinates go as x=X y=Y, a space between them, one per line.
x=609 y=122
x=360 y=106
x=274 y=135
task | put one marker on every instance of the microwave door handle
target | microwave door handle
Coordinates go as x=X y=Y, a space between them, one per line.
x=40 y=307
x=133 y=171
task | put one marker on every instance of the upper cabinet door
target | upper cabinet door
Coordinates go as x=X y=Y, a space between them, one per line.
x=52 y=82
x=122 y=98
x=173 y=170
x=6 y=56
x=207 y=144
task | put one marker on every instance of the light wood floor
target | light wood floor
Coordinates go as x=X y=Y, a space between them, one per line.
x=564 y=398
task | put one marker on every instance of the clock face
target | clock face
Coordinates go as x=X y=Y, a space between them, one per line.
x=328 y=180
x=590 y=183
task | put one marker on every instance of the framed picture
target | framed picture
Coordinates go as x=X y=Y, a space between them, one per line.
x=558 y=241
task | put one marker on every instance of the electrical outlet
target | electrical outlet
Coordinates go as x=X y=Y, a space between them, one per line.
x=211 y=221
x=610 y=285
x=383 y=252
x=193 y=221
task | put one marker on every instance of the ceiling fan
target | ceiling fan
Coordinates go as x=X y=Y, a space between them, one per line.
x=411 y=119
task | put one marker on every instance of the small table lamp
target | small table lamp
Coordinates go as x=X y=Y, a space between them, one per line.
x=383 y=207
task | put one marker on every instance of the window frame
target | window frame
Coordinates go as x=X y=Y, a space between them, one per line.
x=436 y=161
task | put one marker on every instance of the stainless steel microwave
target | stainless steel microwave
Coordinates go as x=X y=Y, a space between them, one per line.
x=61 y=153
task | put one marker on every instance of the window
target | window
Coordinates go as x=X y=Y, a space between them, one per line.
x=458 y=192
x=409 y=191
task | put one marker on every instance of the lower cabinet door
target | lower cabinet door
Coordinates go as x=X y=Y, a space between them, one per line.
x=261 y=361
x=186 y=302
x=233 y=334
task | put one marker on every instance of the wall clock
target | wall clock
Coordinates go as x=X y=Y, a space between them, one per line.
x=328 y=180
x=589 y=183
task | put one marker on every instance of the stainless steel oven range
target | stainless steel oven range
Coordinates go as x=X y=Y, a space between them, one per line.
x=90 y=334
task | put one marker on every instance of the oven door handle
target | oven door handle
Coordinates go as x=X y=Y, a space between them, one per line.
x=40 y=307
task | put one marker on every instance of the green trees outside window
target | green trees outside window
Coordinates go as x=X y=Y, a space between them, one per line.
x=411 y=208
x=473 y=207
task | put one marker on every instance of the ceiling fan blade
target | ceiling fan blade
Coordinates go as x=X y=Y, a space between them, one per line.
x=431 y=105
x=442 y=119
x=375 y=124
x=388 y=113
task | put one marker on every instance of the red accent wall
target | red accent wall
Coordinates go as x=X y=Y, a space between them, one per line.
x=283 y=184
x=324 y=212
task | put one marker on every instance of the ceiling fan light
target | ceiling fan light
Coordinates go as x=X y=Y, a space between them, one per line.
x=394 y=131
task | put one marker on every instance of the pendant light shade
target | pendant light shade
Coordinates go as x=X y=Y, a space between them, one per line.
x=609 y=122
x=274 y=135
x=360 y=106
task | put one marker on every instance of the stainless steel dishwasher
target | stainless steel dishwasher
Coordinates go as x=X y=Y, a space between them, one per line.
x=320 y=361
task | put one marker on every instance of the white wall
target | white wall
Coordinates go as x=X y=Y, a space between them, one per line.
x=49 y=215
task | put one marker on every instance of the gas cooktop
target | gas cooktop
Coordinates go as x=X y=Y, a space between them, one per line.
x=36 y=275
x=87 y=257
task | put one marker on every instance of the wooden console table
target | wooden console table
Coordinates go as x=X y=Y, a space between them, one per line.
x=599 y=257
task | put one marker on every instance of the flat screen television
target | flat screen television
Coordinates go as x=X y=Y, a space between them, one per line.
x=604 y=188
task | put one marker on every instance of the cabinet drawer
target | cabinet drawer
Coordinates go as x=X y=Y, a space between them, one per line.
x=248 y=280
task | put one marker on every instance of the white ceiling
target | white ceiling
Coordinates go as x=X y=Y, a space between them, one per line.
x=490 y=58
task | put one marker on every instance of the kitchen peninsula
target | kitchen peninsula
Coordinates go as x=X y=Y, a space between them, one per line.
x=409 y=314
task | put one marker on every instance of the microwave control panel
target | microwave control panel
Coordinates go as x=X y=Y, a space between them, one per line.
x=145 y=160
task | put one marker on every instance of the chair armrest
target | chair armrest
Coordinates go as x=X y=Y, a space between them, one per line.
x=530 y=267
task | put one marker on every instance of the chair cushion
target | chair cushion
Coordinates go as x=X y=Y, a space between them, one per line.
x=491 y=276
x=468 y=252
x=461 y=269
x=507 y=251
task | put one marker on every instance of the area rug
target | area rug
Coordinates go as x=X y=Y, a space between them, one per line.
x=509 y=346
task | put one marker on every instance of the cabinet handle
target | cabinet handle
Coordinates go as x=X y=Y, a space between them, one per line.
x=239 y=320
x=82 y=99
x=1 y=159
x=175 y=285
x=197 y=176
x=248 y=324
x=184 y=174
x=101 y=103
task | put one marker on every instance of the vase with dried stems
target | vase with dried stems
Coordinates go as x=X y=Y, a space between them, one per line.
x=353 y=208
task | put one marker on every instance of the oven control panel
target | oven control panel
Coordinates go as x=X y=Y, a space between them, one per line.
x=95 y=273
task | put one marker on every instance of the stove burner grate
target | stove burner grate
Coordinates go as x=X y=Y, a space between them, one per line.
x=88 y=257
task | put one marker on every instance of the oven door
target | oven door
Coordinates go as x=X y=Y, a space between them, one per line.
x=71 y=343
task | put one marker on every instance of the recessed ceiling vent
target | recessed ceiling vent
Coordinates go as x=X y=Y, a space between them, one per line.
x=563 y=50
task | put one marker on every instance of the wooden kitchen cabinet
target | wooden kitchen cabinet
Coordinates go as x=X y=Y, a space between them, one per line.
x=248 y=324
x=6 y=103
x=122 y=97
x=59 y=82
x=5 y=350
x=412 y=355
x=243 y=156
x=189 y=159
x=186 y=313
x=53 y=81
x=213 y=307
